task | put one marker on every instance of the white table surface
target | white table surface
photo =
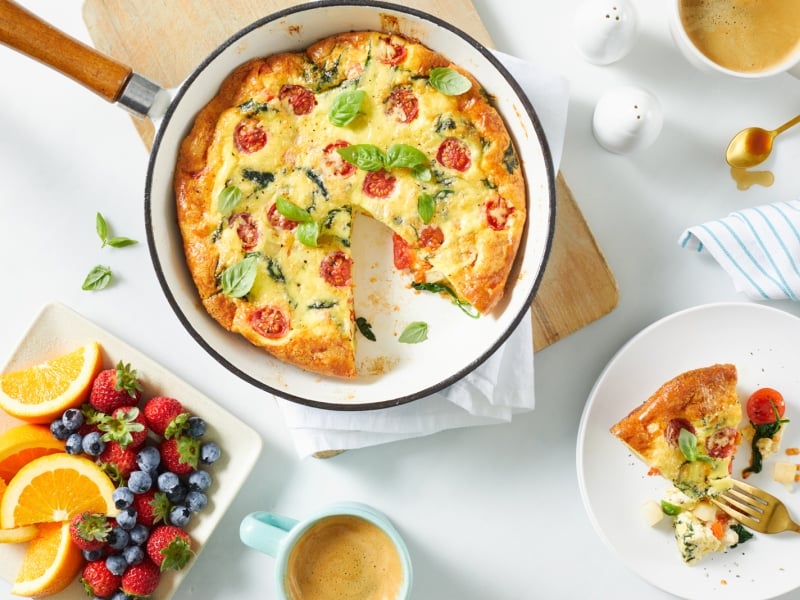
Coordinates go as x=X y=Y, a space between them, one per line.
x=488 y=512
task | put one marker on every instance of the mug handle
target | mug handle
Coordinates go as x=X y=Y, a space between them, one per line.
x=265 y=531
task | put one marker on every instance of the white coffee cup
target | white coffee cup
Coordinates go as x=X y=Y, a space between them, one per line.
x=788 y=52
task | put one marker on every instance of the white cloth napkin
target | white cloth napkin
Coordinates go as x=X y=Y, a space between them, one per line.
x=758 y=247
x=492 y=393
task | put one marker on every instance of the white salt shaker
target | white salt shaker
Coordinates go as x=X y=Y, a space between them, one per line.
x=605 y=30
x=627 y=119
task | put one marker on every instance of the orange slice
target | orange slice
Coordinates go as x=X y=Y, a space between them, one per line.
x=55 y=487
x=16 y=534
x=41 y=392
x=50 y=564
x=20 y=445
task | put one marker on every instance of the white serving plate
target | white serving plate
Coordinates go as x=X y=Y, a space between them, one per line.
x=763 y=344
x=56 y=330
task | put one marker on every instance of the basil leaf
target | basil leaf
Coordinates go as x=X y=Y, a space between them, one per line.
x=426 y=205
x=415 y=333
x=687 y=442
x=365 y=328
x=229 y=199
x=308 y=233
x=364 y=156
x=403 y=155
x=422 y=173
x=101 y=227
x=291 y=211
x=448 y=81
x=120 y=242
x=670 y=509
x=97 y=279
x=237 y=280
x=346 y=107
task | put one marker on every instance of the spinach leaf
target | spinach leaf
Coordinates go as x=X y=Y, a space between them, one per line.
x=261 y=178
x=365 y=328
x=438 y=288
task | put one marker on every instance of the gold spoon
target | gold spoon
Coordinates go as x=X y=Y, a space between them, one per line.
x=752 y=146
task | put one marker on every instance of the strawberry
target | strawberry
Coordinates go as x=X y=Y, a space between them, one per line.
x=116 y=387
x=151 y=507
x=117 y=462
x=180 y=454
x=165 y=416
x=141 y=580
x=89 y=530
x=169 y=547
x=98 y=581
x=126 y=425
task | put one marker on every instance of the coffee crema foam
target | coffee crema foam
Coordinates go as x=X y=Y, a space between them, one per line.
x=344 y=557
x=747 y=36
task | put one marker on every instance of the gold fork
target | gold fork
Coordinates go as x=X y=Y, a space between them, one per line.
x=756 y=509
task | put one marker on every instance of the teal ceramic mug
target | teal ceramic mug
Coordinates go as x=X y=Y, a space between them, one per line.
x=345 y=550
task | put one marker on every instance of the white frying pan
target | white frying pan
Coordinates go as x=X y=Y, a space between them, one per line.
x=390 y=373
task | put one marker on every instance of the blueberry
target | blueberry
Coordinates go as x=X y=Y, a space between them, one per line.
x=133 y=555
x=195 y=427
x=209 y=453
x=126 y=518
x=118 y=538
x=139 y=534
x=74 y=443
x=148 y=459
x=199 y=480
x=177 y=495
x=196 y=501
x=120 y=595
x=59 y=431
x=168 y=482
x=122 y=497
x=92 y=444
x=92 y=555
x=73 y=419
x=117 y=564
x=179 y=515
x=140 y=482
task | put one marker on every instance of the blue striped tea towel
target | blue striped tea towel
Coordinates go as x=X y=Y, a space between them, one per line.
x=758 y=247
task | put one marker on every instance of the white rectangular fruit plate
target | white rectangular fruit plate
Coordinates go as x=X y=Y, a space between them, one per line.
x=58 y=329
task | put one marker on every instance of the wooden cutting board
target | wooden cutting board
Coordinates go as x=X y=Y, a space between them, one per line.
x=167 y=39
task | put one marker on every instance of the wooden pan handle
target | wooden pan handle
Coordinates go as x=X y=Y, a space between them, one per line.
x=27 y=33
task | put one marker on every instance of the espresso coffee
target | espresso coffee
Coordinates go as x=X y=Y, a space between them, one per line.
x=343 y=557
x=747 y=36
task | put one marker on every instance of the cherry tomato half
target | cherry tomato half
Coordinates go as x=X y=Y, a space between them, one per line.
x=763 y=403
